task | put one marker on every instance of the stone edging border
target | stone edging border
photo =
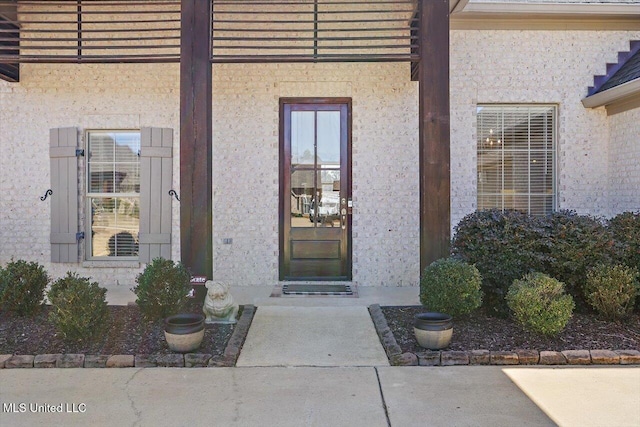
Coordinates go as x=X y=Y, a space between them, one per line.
x=173 y=360
x=485 y=357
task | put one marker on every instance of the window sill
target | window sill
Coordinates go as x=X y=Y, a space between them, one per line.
x=111 y=264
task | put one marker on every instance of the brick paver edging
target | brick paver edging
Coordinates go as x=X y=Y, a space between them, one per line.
x=485 y=357
x=176 y=360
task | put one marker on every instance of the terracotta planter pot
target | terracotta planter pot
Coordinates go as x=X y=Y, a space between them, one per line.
x=433 y=330
x=184 y=332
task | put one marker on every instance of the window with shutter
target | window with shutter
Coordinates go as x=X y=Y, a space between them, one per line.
x=516 y=147
x=113 y=194
x=63 y=144
x=156 y=180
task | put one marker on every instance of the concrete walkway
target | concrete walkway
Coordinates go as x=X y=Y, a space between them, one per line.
x=312 y=336
x=479 y=396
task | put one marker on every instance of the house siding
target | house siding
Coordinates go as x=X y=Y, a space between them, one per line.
x=486 y=67
x=624 y=160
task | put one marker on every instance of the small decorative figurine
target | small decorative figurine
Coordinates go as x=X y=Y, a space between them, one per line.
x=219 y=306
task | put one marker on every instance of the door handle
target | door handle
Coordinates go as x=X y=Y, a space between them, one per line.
x=343 y=214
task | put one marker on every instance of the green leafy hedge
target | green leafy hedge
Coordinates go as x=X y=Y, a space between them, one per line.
x=539 y=304
x=451 y=286
x=22 y=284
x=162 y=288
x=79 y=308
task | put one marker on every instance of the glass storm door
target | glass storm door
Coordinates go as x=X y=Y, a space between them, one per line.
x=315 y=189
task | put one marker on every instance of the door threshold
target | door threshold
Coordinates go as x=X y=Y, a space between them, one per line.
x=315 y=290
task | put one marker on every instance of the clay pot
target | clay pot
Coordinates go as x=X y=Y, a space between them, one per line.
x=433 y=330
x=184 y=332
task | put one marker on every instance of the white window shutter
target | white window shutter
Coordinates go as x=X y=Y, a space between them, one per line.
x=156 y=180
x=63 y=143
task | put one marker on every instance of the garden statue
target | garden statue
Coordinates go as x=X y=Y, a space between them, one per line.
x=219 y=306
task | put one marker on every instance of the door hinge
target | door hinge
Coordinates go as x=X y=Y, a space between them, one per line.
x=80 y=236
x=79 y=152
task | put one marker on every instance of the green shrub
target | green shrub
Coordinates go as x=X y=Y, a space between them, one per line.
x=577 y=243
x=504 y=246
x=612 y=290
x=539 y=304
x=626 y=232
x=451 y=286
x=23 y=284
x=79 y=308
x=162 y=288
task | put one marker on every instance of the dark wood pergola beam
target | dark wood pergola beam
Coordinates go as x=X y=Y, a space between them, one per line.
x=434 y=131
x=196 y=173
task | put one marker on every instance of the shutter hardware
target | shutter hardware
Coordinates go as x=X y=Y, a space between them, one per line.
x=80 y=236
x=47 y=193
x=79 y=152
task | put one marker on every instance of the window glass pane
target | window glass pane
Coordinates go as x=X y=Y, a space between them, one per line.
x=302 y=137
x=329 y=138
x=115 y=222
x=516 y=157
x=302 y=185
x=113 y=162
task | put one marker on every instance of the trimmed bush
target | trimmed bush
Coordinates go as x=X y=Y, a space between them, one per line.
x=626 y=232
x=504 y=246
x=451 y=286
x=612 y=290
x=162 y=288
x=539 y=304
x=577 y=244
x=79 y=308
x=23 y=284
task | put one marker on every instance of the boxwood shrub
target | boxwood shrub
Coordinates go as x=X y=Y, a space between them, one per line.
x=504 y=246
x=626 y=232
x=539 y=304
x=162 y=288
x=611 y=290
x=451 y=286
x=79 y=308
x=23 y=284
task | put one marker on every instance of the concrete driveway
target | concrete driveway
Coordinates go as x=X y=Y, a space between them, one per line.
x=312 y=396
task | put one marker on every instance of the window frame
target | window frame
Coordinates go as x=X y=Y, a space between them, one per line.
x=88 y=196
x=554 y=150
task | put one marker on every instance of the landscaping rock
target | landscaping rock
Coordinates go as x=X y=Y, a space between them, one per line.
x=629 y=357
x=71 y=361
x=450 y=358
x=3 y=359
x=45 y=360
x=504 y=358
x=95 y=361
x=145 y=361
x=120 y=361
x=20 y=361
x=194 y=360
x=605 y=357
x=528 y=357
x=170 y=360
x=552 y=358
x=577 y=357
x=429 y=358
x=479 y=357
x=404 y=359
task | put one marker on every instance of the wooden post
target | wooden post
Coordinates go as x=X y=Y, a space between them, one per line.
x=196 y=175
x=434 y=133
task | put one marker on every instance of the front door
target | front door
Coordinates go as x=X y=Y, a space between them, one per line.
x=315 y=189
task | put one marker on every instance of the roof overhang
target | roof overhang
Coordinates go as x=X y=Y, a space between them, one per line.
x=617 y=99
x=546 y=16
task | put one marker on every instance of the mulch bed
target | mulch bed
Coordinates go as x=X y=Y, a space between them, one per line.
x=128 y=333
x=482 y=332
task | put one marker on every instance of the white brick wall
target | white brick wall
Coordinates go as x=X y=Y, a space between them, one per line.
x=541 y=67
x=487 y=67
x=624 y=162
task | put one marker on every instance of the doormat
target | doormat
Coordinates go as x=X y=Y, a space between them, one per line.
x=320 y=290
